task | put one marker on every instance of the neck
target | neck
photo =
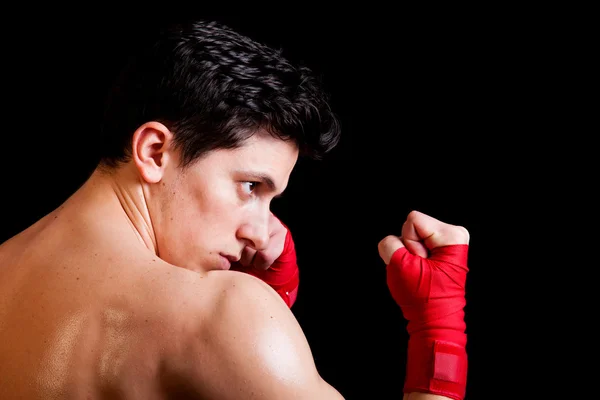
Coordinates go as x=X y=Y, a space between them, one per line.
x=124 y=189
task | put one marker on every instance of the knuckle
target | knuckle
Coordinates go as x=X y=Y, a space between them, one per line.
x=263 y=261
x=386 y=241
x=413 y=215
x=460 y=234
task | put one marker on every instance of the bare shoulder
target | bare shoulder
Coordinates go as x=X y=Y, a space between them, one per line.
x=242 y=341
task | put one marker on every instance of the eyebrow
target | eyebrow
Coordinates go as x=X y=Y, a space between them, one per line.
x=264 y=178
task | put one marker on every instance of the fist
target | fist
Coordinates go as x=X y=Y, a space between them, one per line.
x=426 y=270
x=420 y=235
x=276 y=264
x=264 y=258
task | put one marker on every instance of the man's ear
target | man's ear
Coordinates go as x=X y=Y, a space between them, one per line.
x=151 y=150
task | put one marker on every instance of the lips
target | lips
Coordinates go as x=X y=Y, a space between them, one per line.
x=231 y=258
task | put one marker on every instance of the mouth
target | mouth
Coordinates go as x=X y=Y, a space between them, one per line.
x=231 y=259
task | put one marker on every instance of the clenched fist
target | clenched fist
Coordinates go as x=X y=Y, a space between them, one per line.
x=426 y=275
x=276 y=263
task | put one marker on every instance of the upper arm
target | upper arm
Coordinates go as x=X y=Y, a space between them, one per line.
x=251 y=346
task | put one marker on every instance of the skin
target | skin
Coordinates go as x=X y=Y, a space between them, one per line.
x=125 y=291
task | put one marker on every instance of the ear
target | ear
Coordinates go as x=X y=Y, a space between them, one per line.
x=151 y=150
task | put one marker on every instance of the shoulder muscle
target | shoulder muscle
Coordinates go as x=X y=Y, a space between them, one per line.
x=250 y=345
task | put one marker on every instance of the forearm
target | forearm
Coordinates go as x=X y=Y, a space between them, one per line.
x=437 y=361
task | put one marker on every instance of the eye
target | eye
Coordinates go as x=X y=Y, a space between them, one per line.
x=249 y=187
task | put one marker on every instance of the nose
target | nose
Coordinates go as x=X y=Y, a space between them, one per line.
x=256 y=232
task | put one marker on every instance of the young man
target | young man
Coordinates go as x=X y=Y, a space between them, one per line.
x=143 y=284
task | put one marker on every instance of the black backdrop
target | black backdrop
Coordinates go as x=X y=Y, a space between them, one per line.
x=413 y=94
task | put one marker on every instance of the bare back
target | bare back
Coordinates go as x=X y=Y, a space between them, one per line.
x=84 y=317
x=87 y=311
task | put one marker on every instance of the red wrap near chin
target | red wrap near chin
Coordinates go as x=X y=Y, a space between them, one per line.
x=283 y=275
x=431 y=294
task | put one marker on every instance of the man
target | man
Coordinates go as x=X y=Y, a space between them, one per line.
x=143 y=284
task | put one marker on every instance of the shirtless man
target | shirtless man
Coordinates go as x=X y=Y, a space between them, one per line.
x=166 y=275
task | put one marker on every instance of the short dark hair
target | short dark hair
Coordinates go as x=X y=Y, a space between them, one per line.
x=214 y=87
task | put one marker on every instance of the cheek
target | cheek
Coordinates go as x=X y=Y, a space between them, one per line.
x=223 y=207
x=203 y=216
x=213 y=208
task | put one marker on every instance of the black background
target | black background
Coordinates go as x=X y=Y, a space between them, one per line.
x=420 y=100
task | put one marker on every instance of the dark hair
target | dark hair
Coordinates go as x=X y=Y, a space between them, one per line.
x=214 y=87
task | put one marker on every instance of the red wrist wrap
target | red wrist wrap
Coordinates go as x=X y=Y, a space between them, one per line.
x=283 y=275
x=431 y=294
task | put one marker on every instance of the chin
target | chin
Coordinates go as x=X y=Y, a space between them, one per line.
x=218 y=263
x=222 y=264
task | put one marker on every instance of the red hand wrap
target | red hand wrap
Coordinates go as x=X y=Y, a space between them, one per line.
x=431 y=293
x=283 y=275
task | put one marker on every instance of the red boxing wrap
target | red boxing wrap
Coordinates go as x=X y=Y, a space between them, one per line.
x=283 y=274
x=431 y=294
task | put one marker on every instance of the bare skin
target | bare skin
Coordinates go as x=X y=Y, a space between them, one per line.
x=124 y=291
x=110 y=321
